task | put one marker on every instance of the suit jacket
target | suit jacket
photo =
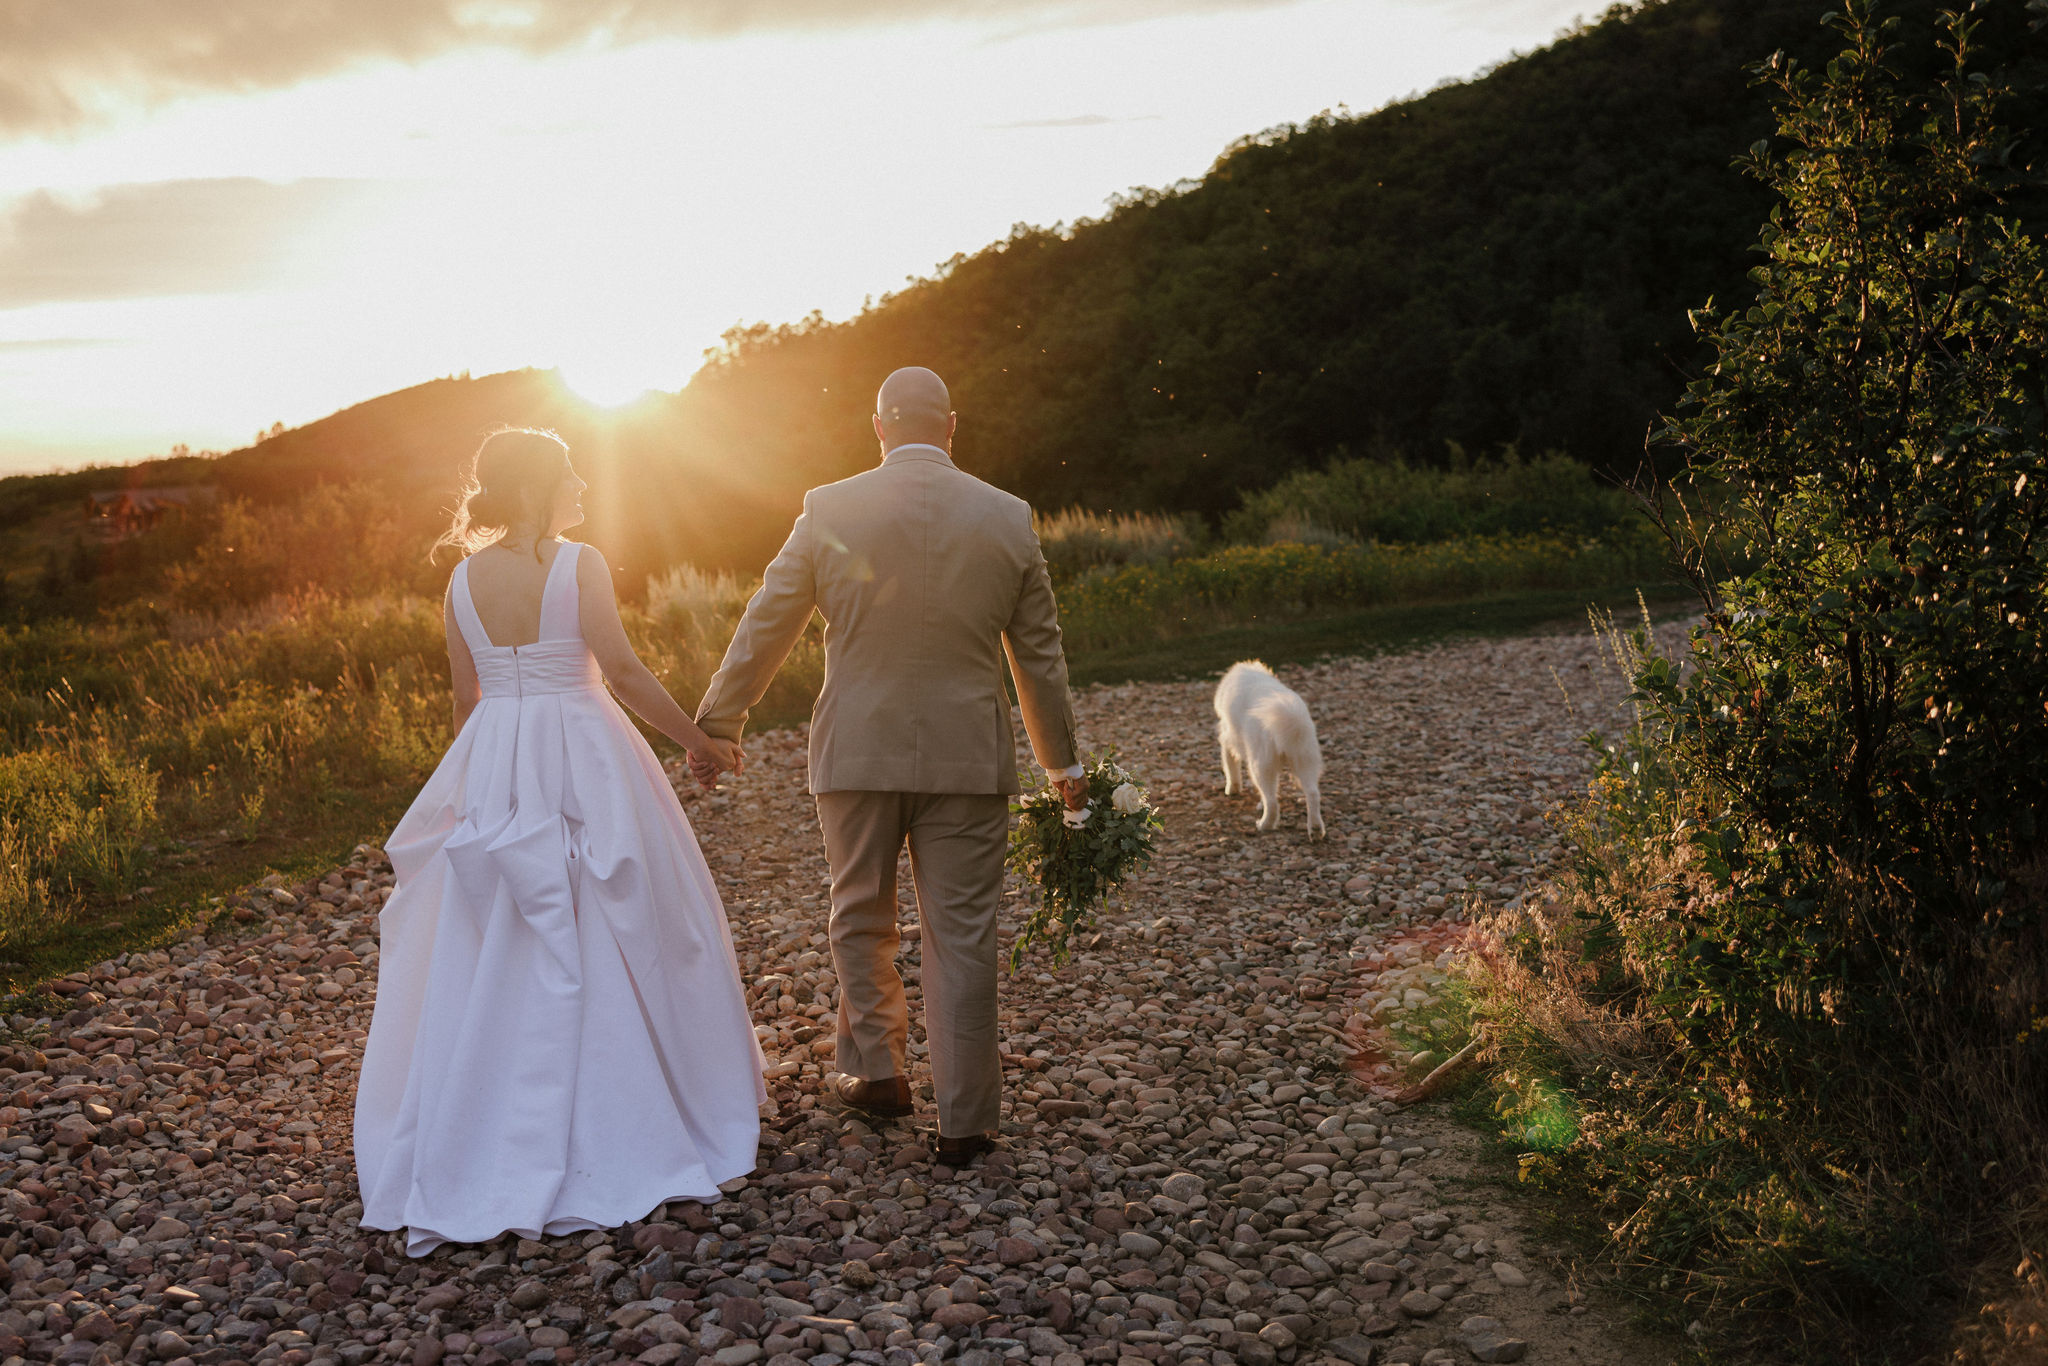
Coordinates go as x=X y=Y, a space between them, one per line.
x=926 y=578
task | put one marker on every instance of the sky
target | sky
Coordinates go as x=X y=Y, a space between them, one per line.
x=220 y=214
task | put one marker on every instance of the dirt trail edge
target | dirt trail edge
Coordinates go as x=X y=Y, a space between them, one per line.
x=1199 y=1164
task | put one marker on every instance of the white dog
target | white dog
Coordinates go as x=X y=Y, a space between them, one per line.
x=1263 y=722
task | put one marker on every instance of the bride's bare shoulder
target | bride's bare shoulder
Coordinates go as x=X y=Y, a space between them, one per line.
x=591 y=569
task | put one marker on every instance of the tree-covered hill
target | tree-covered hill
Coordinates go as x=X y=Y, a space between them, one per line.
x=661 y=494
x=1505 y=260
x=1509 y=259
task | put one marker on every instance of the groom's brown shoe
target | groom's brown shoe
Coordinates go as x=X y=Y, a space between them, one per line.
x=958 y=1152
x=887 y=1098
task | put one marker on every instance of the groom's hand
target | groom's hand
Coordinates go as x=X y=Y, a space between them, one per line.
x=1073 y=791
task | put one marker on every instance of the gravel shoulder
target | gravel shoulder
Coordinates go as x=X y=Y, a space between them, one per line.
x=1201 y=1163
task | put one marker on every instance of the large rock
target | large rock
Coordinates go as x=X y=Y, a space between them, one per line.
x=1487 y=1340
x=1356 y=1350
x=1139 y=1244
x=1016 y=1251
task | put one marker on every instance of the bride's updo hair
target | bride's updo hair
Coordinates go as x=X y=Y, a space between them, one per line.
x=510 y=481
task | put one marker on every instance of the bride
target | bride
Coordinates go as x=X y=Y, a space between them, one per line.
x=561 y=1041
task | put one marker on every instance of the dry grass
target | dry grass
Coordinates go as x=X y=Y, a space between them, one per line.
x=688 y=621
x=2005 y=1322
x=1077 y=541
x=127 y=746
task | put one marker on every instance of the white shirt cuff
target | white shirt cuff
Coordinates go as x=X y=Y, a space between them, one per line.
x=1075 y=771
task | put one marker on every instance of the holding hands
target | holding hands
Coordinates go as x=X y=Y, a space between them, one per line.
x=713 y=757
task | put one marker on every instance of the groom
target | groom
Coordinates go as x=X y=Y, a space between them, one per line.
x=926 y=577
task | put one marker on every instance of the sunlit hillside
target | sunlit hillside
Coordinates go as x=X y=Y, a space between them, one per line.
x=665 y=488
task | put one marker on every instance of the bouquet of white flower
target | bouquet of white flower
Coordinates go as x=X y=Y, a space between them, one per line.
x=1077 y=859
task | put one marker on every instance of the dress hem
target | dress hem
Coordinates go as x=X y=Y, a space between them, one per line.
x=419 y=1241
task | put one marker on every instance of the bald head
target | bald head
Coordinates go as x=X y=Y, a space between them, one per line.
x=913 y=407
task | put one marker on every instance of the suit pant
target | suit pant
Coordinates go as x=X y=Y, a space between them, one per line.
x=957 y=842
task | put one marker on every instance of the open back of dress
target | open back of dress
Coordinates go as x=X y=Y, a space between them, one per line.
x=561 y=1039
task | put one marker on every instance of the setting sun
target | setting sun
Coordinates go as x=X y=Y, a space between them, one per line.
x=403 y=203
x=611 y=382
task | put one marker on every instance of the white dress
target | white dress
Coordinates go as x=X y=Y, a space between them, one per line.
x=561 y=1040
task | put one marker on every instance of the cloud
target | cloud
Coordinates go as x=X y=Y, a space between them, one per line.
x=173 y=237
x=66 y=63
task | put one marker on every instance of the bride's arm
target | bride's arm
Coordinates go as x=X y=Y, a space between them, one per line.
x=634 y=683
x=462 y=678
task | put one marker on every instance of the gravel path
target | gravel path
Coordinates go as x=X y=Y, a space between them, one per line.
x=1200 y=1161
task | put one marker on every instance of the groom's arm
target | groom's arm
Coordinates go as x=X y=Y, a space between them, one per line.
x=1038 y=664
x=776 y=615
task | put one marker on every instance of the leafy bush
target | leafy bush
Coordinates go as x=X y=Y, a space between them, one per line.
x=1293 y=528
x=331 y=538
x=1793 y=988
x=1385 y=498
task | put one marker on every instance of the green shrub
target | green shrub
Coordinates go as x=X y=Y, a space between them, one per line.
x=337 y=539
x=1385 y=498
x=1795 y=979
x=1294 y=528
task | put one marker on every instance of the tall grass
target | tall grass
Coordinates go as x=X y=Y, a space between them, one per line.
x=1246 y=583
x=131 y=740
x=697 y=607
x=689 y=619
x=1077 y=541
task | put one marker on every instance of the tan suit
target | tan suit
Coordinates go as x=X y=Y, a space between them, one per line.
x=926 y=577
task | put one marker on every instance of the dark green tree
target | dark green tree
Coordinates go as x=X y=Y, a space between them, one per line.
x=1870 y=695
x=1814 y=879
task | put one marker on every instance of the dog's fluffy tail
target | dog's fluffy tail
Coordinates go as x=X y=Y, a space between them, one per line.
x=1287 y=720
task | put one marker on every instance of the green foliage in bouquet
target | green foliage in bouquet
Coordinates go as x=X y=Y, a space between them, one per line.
x=1077 y=867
